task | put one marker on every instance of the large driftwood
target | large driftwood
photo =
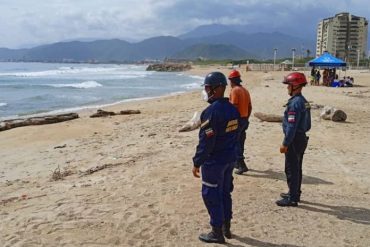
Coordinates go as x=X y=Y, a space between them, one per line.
x=50 y=119
x=192 y=124
x=102 y=113
x=268 y=117
x=331 y=113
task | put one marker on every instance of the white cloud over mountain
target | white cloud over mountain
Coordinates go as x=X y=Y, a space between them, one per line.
x=34 y=22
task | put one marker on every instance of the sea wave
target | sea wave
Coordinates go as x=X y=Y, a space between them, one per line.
x=197 y=77
x=191 y=86
x=66 y=71
x=82 y=85
x=3 y=104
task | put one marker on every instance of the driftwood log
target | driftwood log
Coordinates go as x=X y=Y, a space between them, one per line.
x=50 y=119
x=102 y=113
x=192 y=124
x=331 y=113
x=268 y=117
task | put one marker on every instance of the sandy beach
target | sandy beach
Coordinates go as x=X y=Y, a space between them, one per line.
x=145 y=195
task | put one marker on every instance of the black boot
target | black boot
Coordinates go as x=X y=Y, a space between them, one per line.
x=287 y=202
x=242 y=167
x=287 y=195
x=215 y=236
x=226 y=229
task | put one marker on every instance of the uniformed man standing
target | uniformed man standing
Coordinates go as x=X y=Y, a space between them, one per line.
x=296 y=122
x=216 y=155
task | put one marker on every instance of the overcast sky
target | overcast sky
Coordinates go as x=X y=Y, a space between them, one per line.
x=25 y=23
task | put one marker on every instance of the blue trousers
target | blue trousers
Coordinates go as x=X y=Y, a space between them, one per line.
x=293 y=165
x=217 y=185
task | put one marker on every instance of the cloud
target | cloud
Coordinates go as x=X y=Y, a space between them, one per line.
x=37 y=22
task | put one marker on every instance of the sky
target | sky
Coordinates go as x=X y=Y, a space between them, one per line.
x=28 y=23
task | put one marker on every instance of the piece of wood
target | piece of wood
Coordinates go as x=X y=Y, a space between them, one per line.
x=268 y=117
x=126 y=112
x=331 y=113
x=50 y=119
x=192 y=124
x=102 y=113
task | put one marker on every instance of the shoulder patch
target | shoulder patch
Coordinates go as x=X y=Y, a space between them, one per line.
x=307 y=105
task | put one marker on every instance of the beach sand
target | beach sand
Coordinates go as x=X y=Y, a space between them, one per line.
x=147 y=196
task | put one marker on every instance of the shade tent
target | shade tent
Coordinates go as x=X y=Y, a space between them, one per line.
x=327 y=60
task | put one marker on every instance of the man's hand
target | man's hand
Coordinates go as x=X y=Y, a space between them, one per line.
x=283 y=149
x=196 y=172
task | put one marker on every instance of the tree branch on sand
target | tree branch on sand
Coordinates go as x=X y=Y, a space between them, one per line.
x=101 y=167
x=50 y=119
x=102 y=113
x=268 y=117
x=331 y=113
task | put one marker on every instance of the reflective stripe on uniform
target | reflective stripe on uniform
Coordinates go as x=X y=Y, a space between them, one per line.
x=209 y=184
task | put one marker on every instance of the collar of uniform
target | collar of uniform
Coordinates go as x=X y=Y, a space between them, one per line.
x=298 y=94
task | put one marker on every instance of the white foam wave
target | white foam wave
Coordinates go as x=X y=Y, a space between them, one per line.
x=191 y=86
x=197 y=77
x=3 y=104
x=70 y=70
x=82 y=85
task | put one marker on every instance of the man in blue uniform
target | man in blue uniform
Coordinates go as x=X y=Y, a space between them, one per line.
x=296 y=122
x=216 y=155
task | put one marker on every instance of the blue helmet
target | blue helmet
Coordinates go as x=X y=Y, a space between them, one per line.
x=215 y=79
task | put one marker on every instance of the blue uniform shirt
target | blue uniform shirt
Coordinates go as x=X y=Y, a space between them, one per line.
x=297 y=118
x=218 y=134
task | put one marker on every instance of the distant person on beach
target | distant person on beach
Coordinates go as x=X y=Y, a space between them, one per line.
x=216 y=156
x=318 y=76
x=240 y=98
x=296 y=122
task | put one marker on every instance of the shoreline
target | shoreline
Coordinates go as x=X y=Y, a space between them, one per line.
x=39 y=113
x=83 y=109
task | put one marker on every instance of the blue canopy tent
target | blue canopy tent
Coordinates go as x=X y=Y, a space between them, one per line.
x=327 y=60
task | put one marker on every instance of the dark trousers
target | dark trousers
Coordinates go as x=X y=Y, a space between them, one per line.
x=293 y=165
x=217 y=185
x=244 y=124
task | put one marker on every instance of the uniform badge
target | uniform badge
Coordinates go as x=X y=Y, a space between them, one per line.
x=291 y=117
x=232 y=125
x=209 y=132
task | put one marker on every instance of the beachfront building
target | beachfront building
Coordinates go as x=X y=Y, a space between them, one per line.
x=344 y=36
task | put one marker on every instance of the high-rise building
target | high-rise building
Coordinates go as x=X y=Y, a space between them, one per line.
x=344 y=36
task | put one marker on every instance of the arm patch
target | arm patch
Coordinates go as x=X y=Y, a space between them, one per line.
x=291 y=117
x=209 y=132
x=232 y=125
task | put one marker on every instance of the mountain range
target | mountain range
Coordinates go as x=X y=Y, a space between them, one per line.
x=208 y=42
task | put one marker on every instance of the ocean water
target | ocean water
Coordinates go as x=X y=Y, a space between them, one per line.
x=47 y=88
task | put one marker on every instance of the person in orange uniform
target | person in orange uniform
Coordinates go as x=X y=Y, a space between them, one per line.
x=241 y=99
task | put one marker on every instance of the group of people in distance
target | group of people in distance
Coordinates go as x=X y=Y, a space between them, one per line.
x=221 y=146
x=330 y=78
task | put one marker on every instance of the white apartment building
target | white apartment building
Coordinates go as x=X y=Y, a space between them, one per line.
x=344 y=36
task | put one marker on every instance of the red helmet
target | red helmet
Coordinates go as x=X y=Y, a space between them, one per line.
x=234 y=74
x=295 y=79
